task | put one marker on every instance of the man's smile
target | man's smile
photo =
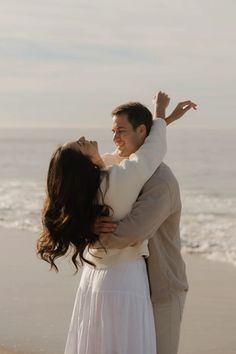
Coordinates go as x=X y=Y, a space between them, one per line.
x=120 y=145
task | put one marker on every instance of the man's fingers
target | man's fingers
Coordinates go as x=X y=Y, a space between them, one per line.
x=106 y=231
x=107 y=226
x=102 y=229
x=105 y=219
x=104 y=224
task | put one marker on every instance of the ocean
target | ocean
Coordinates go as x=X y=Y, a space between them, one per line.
x=203 y=161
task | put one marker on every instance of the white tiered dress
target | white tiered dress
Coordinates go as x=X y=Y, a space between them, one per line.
x=113 y=312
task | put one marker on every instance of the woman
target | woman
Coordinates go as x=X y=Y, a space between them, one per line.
x=112 y=312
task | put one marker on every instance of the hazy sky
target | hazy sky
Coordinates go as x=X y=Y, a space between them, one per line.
x=68 y=63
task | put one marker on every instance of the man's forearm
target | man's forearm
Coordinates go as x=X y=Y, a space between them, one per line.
x=146 y=216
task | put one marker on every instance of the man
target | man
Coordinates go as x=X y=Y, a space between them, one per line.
x=155 y=216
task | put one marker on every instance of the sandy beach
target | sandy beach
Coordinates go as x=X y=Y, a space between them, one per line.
x=36 y=305
x=8 y=351
x=209 y=323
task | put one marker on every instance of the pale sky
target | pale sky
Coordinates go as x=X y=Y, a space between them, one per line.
x=69 y=63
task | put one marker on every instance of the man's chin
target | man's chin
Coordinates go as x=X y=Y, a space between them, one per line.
x=121 y=153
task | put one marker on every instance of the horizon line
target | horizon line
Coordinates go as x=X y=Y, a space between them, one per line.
x=191 y=126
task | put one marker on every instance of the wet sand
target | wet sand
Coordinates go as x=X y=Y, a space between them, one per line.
x=36 y=305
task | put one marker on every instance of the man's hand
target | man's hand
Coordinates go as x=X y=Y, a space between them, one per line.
x=180 y=110
x=104 y=225
x=161 y=101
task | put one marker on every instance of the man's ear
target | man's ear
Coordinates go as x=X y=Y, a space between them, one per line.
x=142 y=130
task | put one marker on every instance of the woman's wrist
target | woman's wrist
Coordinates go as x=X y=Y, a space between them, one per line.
x=169 y=119
x=97 y=160
x=160 y=112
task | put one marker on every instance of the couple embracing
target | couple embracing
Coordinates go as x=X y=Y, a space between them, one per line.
x=119 y=215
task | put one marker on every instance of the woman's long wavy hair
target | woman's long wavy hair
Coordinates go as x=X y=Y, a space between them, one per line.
x=71 y=206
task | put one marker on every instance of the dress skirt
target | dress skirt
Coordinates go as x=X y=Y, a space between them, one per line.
x=113 y=312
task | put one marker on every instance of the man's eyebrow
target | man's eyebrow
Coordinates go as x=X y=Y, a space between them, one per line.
x=119 y=127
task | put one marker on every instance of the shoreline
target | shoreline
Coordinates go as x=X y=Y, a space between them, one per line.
x=36 y=304
x=185 y=253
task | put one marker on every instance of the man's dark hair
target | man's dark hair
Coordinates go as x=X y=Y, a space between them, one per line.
x=137 y=114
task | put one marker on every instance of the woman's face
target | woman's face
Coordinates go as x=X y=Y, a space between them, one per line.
x=86 y=147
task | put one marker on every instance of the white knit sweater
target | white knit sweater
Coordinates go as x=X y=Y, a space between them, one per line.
x=126 y=179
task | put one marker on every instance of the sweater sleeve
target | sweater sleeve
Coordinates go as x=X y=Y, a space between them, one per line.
x=127 y=179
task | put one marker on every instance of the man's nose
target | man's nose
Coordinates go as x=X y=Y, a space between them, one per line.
x=116 y=136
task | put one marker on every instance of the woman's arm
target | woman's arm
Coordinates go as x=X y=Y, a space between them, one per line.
x=127 y=178
x=160 y=103
x=180 y=110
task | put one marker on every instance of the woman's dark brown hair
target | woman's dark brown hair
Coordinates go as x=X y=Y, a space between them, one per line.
x=71 y=206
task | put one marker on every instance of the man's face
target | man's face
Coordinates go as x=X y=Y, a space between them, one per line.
x=126 y=138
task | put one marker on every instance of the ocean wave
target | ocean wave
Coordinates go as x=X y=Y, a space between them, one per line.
x=208 y=224
x=21 y=204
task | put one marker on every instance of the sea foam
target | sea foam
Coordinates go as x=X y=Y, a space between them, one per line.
x=208 y=224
